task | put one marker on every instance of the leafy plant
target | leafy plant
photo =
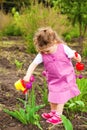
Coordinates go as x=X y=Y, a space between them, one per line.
x=72 y=33
x=27 y=115
x=18 y=64
x=76 y=105
x=12 y=30
x=67 y=38
x=79 y=103
x=82 y=84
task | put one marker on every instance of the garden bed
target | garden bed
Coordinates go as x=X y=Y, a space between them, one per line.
x=9 y=73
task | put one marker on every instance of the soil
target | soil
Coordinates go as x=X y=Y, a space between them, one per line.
x=11 y=49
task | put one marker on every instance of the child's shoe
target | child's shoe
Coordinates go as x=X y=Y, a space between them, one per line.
x=48 y=115
x=55 y=120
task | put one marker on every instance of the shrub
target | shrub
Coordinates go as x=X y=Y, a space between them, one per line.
x=12 y=30
x=72 y=33
x=38 y=16
x=67 y=38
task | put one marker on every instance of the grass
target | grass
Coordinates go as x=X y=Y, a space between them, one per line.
x=4 y=20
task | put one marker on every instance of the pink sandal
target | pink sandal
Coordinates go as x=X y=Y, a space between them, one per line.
x=55 y=120
x=48 y=115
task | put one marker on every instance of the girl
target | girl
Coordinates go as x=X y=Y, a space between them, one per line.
x=56 y=57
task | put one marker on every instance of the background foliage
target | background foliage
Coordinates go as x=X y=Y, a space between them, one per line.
x=67 y=17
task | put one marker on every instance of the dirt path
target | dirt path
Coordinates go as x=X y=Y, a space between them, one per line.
x=9 y=52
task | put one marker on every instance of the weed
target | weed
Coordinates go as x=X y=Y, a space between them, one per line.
x=18 y=64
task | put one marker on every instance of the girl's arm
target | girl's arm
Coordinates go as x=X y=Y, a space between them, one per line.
x=72 y=53
x=38 y=59
x=29 y=72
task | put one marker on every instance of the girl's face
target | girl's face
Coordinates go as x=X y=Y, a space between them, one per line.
x=50 y=49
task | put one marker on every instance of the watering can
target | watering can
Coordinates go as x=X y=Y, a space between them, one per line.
x=23 y=86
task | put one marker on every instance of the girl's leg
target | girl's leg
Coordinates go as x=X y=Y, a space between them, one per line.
x=51 y=113
x=60 y=108
x=53 y=106
x=57 y=107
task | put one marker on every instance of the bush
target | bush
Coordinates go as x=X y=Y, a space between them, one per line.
x=12 y=30
x=35 y=17
x=68 y=36
x=30 y=45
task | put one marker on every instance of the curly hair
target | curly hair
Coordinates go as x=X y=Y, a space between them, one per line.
x=45 y=37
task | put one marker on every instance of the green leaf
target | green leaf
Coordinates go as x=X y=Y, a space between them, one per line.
x=80 y=103
x=39 y=107
x=17 y=115
x=20 y=117
x=38 y=124
x=66 y=122
x=12 y=113
x=22 y=113
x=71 y=105
x=28 y=108
x=21 y=100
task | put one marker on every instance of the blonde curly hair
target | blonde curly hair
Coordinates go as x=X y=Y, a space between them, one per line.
x=46 y=37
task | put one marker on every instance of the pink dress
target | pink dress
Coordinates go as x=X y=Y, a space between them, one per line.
x=60 y=76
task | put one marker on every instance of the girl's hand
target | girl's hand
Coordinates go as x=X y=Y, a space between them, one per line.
x=29 y=72
x=26 y=78
x=77 y=57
